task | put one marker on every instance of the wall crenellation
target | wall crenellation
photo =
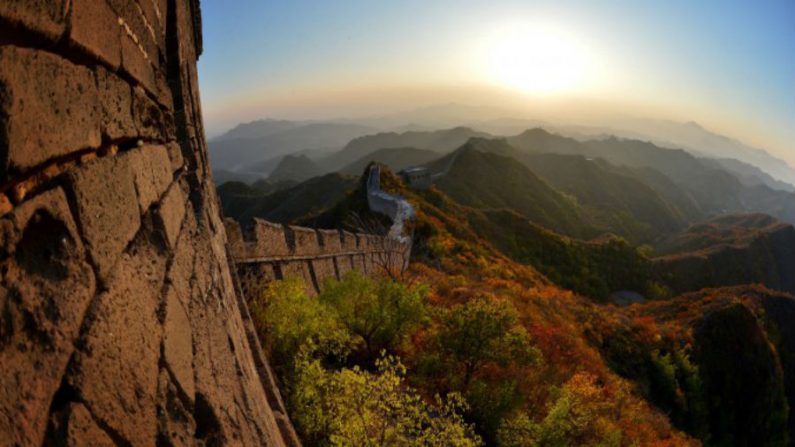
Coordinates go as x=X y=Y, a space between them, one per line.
x=264 y=251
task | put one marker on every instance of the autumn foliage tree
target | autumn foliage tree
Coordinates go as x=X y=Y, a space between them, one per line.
x=477 y=348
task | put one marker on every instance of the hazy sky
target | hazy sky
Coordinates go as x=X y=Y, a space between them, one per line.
x=727 y=64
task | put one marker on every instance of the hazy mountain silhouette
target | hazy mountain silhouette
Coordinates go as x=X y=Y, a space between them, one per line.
x=240 y=153
x=241 y=202
x=295 y=167
x=441 y=141
x=395 y=158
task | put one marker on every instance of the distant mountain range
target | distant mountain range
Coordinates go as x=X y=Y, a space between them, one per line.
x=263 y=140
x=256 y=147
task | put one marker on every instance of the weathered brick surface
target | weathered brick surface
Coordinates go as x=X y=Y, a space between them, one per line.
x=344 y=264
x=268 y=239
x=254 y=278
x=116 y=371
x=49 y=108
x=348 y=241
x=324 y=270
x=115 y=97
x=44 y=17
x=107 y=209
x=151 y=169
x=301 y=270
x=45 y=290
x=120 y=321
x=83 y=430
x=330 y=241
x=175 y=156
x=171 y=213
x=95 y=28
x=178 y=343
x=305 y=241
x=150 y=121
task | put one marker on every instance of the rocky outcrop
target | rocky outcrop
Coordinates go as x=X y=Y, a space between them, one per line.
x=120 y=323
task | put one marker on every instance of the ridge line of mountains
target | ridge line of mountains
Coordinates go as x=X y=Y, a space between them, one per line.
x=658 y=199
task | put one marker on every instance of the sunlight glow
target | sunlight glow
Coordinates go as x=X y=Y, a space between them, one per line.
x=537 y=60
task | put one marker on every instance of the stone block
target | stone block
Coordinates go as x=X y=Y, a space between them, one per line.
x=155 y=22
x=300 y=270
x=116 y=370
x=115 y=97
x=175 y=422
x=362 y=242
x=305 y=241
x=180 y=274
x=136 y=27
x=44 y=17
x=107 y=209
x=151 y=169
x=49 y=108
x=135 y=60
x=330 y=241
x=164 y=95
x=254 y=279
x=175 y=155
x=148 y=116
x=81 y=429
x=344 y=264
x=95 y=29
x=348 y=241
x=178 y=343
x=324 y=270
x=46 y=287
x=171 y=213
x=234 y=237
x=265 y=239
x=358 y=263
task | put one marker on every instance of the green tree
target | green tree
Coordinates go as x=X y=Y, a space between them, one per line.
x=379 y=311
x=288 y=321
x=480 y=332
x=352 y=407
x=480 y=350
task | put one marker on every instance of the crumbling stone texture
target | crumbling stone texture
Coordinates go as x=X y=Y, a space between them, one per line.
x=50 y=108
x=120 y=322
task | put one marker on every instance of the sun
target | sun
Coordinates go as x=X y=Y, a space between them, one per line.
x=536 y=59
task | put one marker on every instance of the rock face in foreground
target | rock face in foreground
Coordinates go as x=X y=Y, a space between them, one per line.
x=120 y=323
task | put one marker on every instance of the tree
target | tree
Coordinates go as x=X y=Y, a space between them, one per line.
x=579 y=416
x=483 y=331
x=481 y=350
x=352 y=407
x=288 y=320
x=379 y=311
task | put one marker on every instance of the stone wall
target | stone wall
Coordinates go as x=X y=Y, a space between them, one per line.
x=263 y=252
x=120 y=323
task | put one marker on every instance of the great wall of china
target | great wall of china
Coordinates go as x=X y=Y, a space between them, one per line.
x=121 y=318
x=264 y=252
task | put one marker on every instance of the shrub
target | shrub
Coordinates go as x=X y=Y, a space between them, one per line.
x=288 y=321
x=352 y=407
x=380 y=312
